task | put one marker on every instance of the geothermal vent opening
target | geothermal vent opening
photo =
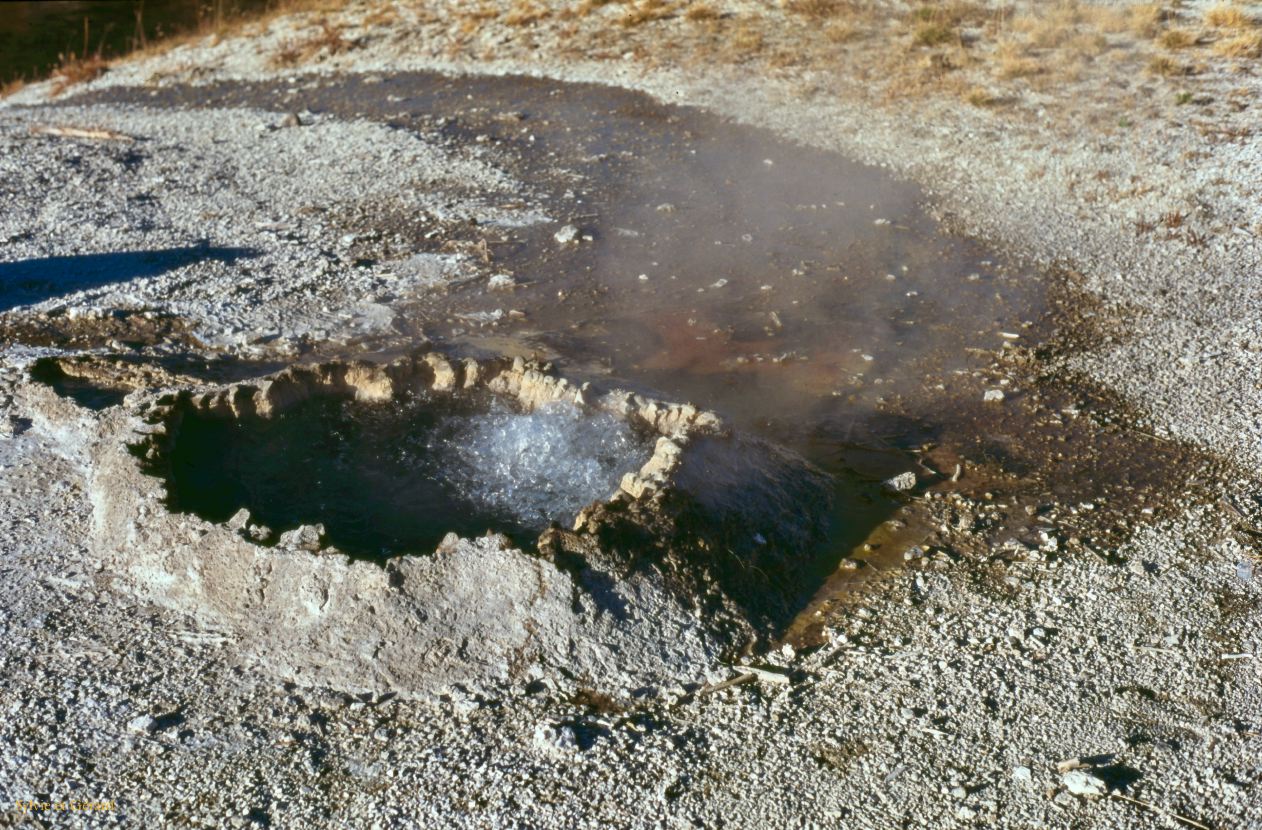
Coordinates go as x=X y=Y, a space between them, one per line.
x=397 y=476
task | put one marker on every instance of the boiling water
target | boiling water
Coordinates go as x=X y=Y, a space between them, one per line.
x=537 y=467
x=389 y=478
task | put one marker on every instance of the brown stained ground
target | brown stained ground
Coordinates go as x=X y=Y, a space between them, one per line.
x=114 y=329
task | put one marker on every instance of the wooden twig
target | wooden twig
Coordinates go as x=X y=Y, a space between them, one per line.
x=1156 y=809
x=727 y=684
x=95 y=133
x=1227 y=501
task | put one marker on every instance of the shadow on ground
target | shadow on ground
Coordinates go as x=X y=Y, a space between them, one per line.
x=30 y=281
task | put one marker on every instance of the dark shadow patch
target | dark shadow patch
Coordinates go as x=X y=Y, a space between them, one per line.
x=86 y=393
x=1118 y=777
x=30 y=281
x=168 y=720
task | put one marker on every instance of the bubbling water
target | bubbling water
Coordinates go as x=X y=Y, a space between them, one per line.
x=538 y=466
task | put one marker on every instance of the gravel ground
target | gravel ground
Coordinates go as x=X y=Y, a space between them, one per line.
x=994 y=681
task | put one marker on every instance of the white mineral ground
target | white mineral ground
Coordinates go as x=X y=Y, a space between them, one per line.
x=945 y=696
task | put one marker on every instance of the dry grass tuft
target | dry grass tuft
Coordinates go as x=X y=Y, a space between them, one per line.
x=586 y=7
x=841 y=31
x=326 y=42
x=819 y=9
x=1142 y=19
x=1167 y=67
x=525 y=13
x=1224 y=16
x=1012 y=62
x=382 y=15
x=1050 y=27
x=980 y=97
x=10 y=87
x=1246 y=45
x=700 y=12
x=1087 y=45
x=1145 y=19
x=1178 y=38
x=940 y=24
x=1105 y=19
x=1173 y=219
x=647 y=11
x=76 y=70
x=746 y=40
x=480 y=14
x=930 y=33
x=954 y=13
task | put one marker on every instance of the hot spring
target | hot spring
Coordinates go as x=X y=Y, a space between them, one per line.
x=394 y=477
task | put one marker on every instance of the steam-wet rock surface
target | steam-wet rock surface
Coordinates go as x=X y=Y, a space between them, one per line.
x=1059 y=584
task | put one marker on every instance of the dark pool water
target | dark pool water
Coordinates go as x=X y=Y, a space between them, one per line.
x=363 y=471
x=388 y=478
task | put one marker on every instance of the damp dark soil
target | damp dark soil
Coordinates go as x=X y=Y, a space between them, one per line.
x=119 y=328
x=810 y=300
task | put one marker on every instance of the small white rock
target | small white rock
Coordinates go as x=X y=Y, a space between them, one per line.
x=568 y=235
x=239 y=520
x=901 y=483
x=303 y=537
x=992 y=395
x=1084 y=782
x=144 y=723
x=555 y=739
x=501 y=282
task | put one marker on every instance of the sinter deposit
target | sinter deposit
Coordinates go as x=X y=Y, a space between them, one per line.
x=651 y=584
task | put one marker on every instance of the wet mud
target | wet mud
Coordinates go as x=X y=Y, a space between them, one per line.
x=133 y=329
